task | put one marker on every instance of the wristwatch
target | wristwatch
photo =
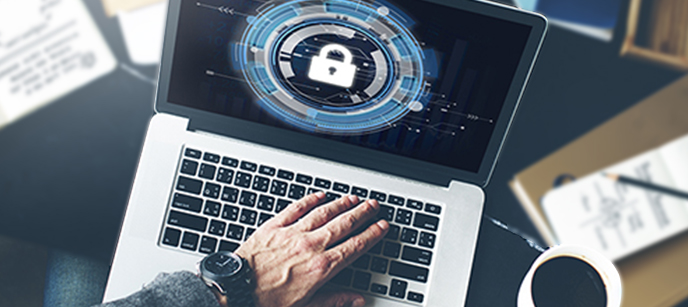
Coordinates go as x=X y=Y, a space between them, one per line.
x=230 y=275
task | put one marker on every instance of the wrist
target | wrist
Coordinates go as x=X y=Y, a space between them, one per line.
x=229 y=277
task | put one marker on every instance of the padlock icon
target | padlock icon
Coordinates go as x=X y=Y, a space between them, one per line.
x=331 y=71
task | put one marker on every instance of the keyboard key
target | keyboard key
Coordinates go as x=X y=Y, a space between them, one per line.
x=228 y=246
x=433 y=208
x=189 y=203
x=207 y=245
x=267 y=170
x=398 y=288
x=261 y=184
x=360 y=192
x=296 y=191
x=403 y=216
x=190 y=241
x=408 y=271
x=426 y=221
x=343 y=278
x=187 y=221
x=225 y=175
x=361 y=280
x=230 y=194
x=207 y=171
x=416 y=255
x=192 y=186
x=230 y=213
x=248 y=198
x=382 y=197
x=266 y=202
x=409 y=235
x=386 y=212
x=305 y=179
x=189 y=167
x=264 y=217
x=340 y=187
x=329 y=196
x=415 y=297
x=378 y=288
x=396 y=200
x=362 y=262
x=231 y=162
x=249 y=232
x=426 y=239
x=210 y=157
x=286 y=175
x=235 y=232
x=243 y=180
x=281 y=205
x=192 y=153
x=211 y=190
x=391 y=249
x=249 y=166
x=217 y=228
x=379 y=265
x=171 y=237
x=312 y=190
x=278 y=188
x=414 y=204
x=322 y=183
x=248 y=217
x=377 y=248
x=393 y=233
x=212 y=208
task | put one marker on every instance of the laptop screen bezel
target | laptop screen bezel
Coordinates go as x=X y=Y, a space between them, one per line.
x=367 y=158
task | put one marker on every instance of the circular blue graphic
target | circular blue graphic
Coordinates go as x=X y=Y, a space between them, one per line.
x=337 y=67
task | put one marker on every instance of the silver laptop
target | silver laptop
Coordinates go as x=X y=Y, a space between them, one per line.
x=262 y=102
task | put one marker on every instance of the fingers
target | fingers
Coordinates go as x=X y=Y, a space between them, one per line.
x=345 y=253
x=336 y=299
x=296 y=210
x=326 y=213
x=341 y=226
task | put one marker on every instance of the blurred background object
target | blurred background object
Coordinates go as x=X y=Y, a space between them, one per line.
x=593 y=18
x=657 y=31
x=47 y=50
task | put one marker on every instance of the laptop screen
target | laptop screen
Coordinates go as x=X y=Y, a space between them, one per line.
x=406 y=77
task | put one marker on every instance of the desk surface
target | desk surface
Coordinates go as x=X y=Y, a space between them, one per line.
x=67 y=169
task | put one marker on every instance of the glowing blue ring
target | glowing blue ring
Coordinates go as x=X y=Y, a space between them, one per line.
x=275 y=100
x=388 y=83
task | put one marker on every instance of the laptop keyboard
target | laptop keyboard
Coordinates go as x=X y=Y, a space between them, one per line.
x=219 y=201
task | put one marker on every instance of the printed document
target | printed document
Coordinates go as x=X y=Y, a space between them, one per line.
x=619 y=219
x=48 y=48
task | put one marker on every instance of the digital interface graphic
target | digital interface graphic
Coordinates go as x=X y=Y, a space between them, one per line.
x=409 y=77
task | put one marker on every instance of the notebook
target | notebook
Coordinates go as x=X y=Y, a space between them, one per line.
x=260 y=103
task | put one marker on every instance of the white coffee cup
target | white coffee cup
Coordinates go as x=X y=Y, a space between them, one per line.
x=604 y=267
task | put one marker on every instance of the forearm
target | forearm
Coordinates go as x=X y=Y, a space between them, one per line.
x=180 y=289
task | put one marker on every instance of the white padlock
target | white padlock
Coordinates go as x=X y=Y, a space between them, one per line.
x=330 y=71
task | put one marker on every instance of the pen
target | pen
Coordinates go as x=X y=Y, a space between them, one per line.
x=648 y=185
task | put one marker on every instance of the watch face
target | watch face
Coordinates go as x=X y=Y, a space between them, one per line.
x=222 y=264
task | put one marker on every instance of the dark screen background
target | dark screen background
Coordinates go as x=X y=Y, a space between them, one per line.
x=477 y=57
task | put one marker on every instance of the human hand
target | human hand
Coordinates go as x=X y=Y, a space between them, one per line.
x=293 y=258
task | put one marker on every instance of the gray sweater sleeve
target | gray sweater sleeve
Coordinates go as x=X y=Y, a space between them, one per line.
x=180 y=289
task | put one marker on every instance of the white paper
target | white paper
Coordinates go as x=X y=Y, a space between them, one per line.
x=143 y=31
x=618 y=219
x=48 y=48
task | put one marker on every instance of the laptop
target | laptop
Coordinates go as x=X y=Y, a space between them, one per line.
x=260 y=103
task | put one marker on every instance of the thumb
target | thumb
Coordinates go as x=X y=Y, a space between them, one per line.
x=337 y=299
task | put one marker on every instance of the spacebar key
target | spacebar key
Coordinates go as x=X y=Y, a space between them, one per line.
x=408 y=271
